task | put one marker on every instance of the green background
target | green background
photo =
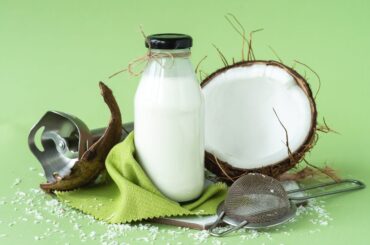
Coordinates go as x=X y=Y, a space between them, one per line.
x=53 y=53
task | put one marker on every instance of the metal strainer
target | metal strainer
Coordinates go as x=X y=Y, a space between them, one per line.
x=259 y=201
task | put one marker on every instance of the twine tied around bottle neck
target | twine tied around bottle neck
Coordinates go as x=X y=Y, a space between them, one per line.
x=150 y=55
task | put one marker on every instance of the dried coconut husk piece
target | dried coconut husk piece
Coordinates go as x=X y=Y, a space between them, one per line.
x=92 y=162
x=229 y=163
x=310 y=173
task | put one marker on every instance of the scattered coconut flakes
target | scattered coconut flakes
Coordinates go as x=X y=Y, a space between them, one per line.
x=11 y=224
x=92 y=235
x=200 y=236
x=250 y=234
x=38 y=238
x=52 y=202
x=217 y=242
x=41 y=209
x=144 y=239
x=316 y=210
x=17 y=181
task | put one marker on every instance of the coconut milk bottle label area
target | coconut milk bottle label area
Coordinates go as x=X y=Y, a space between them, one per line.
x=169 y=119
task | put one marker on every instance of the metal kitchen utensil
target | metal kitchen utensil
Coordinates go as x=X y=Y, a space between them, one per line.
x=257 y=201
x=63 y=139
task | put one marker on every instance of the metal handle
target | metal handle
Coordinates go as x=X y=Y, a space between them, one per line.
x=95 y=134
x=126 y=129
x=358 y=185
x=218 y=221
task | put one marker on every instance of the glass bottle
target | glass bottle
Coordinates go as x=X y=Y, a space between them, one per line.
x=169 y=119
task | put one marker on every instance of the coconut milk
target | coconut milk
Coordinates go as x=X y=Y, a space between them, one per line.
x=169 y=128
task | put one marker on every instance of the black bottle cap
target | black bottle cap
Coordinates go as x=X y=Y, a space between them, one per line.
x=169 y=41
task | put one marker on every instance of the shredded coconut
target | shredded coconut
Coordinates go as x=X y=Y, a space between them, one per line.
x=33 y=206
x=17 y=181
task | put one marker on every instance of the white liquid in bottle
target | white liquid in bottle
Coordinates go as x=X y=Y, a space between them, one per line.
x=169 y=125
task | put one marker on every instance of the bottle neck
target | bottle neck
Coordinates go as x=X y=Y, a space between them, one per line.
x=170 y=53
x=169 y=63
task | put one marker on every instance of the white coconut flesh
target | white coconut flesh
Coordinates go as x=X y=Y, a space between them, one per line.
x=241 y=126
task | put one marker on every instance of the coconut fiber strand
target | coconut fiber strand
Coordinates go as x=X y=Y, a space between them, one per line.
x=129 y=195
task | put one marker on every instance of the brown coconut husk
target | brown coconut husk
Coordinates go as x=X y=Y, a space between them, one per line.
x=228 y=173
x=310 y=172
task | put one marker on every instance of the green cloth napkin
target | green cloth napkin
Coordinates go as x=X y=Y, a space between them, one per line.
x=129 y=195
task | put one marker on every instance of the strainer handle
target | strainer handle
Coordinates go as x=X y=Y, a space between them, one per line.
x=218 y=221
x=357 y=185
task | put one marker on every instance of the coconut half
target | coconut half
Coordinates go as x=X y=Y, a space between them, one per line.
x=251 y=108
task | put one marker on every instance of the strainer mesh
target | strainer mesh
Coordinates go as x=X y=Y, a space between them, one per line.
x=256 y=198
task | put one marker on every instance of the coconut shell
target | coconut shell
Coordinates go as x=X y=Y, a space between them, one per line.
x=227 y=173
